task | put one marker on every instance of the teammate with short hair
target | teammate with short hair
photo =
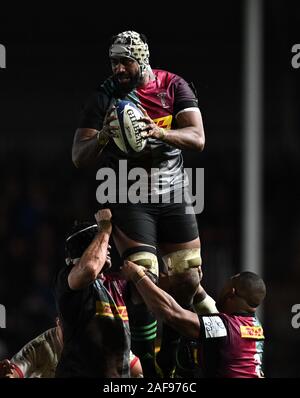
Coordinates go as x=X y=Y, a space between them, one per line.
x=173 y=122
x=231 y=341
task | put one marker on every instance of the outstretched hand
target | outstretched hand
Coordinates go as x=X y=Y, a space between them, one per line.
x=103 y=218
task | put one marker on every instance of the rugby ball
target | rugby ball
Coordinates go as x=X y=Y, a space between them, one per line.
x=128 y=135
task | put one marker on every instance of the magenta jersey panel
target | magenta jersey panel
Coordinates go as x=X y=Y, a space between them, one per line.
x=231 y=346
x=158 y=96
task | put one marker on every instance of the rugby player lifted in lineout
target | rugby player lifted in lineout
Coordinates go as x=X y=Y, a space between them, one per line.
x=173 y=122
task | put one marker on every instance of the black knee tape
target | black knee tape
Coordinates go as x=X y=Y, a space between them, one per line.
x=136 y=249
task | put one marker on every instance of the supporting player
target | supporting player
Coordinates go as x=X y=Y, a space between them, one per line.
x=231 y=341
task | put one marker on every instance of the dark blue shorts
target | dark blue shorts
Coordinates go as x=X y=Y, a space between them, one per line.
x=155 y=223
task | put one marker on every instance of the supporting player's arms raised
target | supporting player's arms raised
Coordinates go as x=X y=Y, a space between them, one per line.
x=86 y=270
x=161 y=303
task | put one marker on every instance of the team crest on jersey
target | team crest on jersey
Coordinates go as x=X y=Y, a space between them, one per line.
x=252 y=332
x=104 y=309
x=163 y=99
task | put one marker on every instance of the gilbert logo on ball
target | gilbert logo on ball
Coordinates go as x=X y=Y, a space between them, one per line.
x=129 y=133
x=2 y=316
x=2 y=57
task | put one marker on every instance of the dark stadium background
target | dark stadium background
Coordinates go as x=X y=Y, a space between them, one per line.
x=55 y=59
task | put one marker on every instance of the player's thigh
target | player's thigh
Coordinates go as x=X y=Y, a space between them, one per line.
x=134 y=226
x=177 y=230
x=179 y=245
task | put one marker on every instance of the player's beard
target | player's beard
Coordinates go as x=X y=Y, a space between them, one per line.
x=132 y=82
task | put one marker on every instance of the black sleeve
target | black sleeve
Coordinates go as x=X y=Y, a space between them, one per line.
x=68 y=301
x=184 y=97
x=213 y=336
x=93 y=112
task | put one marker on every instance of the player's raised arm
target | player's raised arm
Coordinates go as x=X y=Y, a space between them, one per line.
x=90 y=264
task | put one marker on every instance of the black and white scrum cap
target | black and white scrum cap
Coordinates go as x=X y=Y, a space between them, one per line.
x=130 y=44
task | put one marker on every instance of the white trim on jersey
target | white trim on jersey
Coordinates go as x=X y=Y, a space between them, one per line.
x=192 y=109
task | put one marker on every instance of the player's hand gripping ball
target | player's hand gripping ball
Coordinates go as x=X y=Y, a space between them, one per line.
x=128 y=135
